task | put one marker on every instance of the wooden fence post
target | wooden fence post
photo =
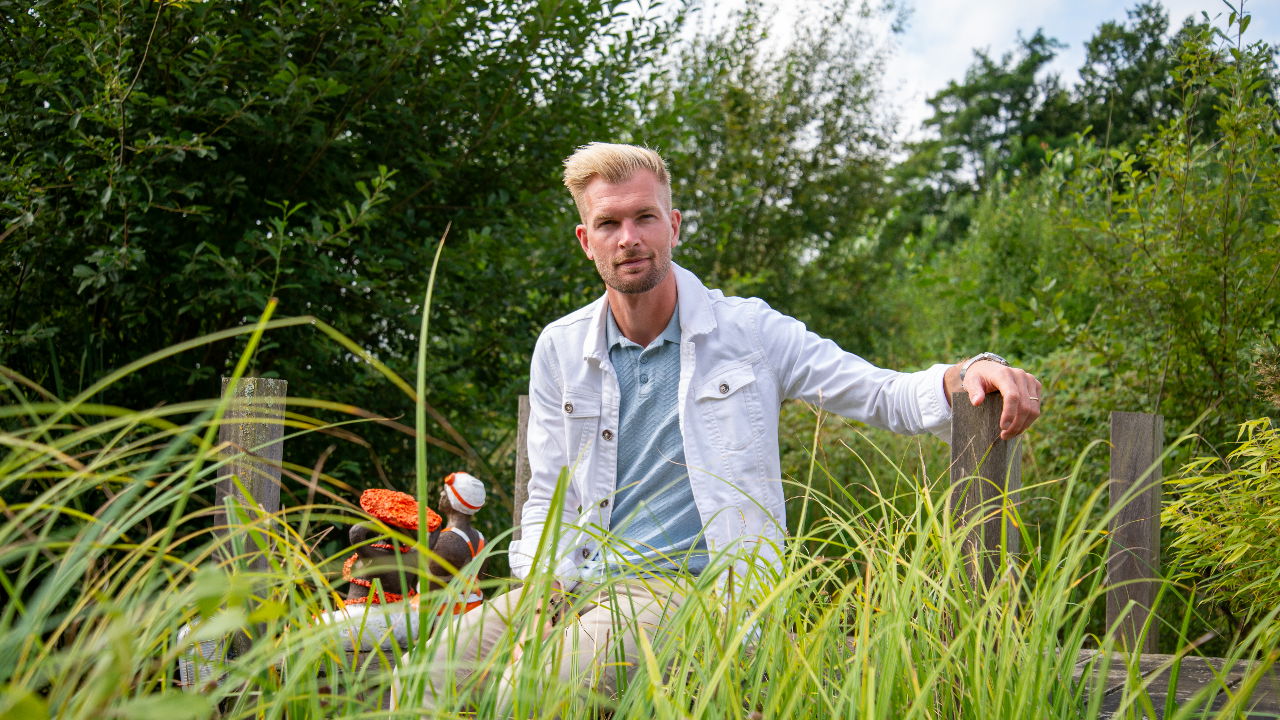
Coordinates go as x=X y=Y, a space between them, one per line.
x=254 y=429
x=523 y=473
x=985 y=471
x=1137 y=441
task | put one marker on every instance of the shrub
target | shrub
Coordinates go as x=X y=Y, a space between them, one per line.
x=1225 y=529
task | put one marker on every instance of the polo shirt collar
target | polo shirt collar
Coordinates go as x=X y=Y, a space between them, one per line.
x=613 y=336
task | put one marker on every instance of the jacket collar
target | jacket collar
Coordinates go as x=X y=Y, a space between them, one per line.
x=696 y=315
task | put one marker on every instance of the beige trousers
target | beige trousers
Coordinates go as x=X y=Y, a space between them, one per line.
x=595 y=646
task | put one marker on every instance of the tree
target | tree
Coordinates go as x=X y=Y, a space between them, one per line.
x=1001 y=117
x=169 y=166
x=1127 y=82
x=1001 y=120
x=778 y=152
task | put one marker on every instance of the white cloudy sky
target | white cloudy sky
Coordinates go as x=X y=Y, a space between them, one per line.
x=941 y=35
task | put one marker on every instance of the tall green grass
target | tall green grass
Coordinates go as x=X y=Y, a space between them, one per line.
x=108 y=547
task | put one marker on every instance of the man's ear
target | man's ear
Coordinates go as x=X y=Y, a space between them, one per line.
x=675 y=228
x=581 y=232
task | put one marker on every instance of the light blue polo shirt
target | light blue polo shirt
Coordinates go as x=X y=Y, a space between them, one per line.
x=655 y=522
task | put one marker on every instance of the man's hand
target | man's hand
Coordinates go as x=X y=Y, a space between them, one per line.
x=1020 y=389
x=549 y=614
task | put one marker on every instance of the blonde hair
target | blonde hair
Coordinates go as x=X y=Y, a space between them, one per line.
x=614 y=163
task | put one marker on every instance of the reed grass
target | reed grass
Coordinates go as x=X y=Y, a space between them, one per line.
x=109 y=547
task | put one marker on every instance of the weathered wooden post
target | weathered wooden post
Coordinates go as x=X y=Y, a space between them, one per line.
x=1133 y=563
x=523 y=472
x=253 y=432
x=253 y=429
x=985 y=472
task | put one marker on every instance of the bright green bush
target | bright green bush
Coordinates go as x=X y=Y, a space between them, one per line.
x=1224 y=528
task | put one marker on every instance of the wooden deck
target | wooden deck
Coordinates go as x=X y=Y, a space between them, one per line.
x=1195 y=675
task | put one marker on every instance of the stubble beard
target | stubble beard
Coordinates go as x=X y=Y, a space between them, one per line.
x=635 y=285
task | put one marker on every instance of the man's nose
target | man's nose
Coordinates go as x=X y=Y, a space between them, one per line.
x=629 y=234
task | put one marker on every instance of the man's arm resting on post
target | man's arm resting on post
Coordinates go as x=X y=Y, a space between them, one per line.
x=817 y=370
x=1020 y=389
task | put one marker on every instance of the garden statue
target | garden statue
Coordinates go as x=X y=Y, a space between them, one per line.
x=458 y=543
x=381 y=606
x=390 y=564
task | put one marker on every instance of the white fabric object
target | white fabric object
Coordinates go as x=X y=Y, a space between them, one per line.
x=386 y=626
x=739 y=359
x=203 y=664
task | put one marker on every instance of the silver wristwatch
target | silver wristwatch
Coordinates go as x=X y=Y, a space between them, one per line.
x=978 y=358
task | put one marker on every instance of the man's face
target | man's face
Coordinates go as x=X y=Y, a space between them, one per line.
x=629 y=232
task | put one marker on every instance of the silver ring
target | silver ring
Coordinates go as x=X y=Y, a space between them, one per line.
x=1032 y=397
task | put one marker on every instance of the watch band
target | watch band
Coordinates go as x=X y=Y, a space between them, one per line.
x=978 y=358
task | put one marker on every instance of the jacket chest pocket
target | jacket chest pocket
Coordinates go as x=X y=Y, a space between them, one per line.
x=582 y=416
x=729 y=400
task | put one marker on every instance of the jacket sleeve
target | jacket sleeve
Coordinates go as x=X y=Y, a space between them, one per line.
x=548 y=457
x=815 y=369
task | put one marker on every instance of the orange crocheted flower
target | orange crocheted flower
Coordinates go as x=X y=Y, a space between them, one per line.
x=396 y=508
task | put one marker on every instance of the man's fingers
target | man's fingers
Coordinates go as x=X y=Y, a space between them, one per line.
x=976 y=396
x=1019 y=389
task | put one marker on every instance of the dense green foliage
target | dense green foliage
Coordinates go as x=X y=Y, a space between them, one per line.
x=1154 y=268
x=170 y=166
x=1223 y=523
x=1008 y=114
x=1139 y=277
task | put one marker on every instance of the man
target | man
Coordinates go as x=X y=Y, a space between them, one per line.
x=661 y=400
x=737 y=360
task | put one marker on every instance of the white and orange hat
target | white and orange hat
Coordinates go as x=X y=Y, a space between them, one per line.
x=465 y=491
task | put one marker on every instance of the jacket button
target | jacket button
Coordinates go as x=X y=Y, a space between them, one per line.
x=568 y=407
x=607 y=434
x=604 y=502
x=724 y=388
x=586 y=553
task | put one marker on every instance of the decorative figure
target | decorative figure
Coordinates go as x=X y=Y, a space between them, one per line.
x=380 y=610
x=458 y=543
x=382 y=575
x=389 y=563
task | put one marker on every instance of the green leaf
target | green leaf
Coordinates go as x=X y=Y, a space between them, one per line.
x=168 y=706
x=19 y=703
x=219 y=626
x=268 y=610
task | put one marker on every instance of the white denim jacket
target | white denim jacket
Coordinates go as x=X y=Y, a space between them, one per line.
x=739 y=359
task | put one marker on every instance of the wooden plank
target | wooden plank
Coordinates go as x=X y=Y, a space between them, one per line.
x=1195 y=674
x=1133 y=563
x=253 y=429
x=984 y=471
x=1264 y=699
x=523 y=473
